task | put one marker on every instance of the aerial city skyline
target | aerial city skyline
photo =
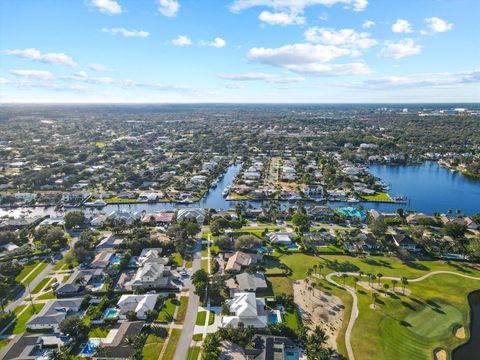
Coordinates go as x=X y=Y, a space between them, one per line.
x=239 y=51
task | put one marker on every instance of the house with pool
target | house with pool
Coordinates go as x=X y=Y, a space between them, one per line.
x=53 y=313
x=247 y=309
x=141 y=304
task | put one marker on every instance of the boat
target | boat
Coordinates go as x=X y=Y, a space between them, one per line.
x=96 y=203
x=226 y=191
x=353 y=200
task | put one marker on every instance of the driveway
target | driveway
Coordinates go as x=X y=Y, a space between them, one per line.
x=191 y=316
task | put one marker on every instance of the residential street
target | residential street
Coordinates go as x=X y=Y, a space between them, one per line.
x=191 y=316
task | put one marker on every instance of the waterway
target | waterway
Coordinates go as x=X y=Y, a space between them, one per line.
x=428 y=188
x=471 y=349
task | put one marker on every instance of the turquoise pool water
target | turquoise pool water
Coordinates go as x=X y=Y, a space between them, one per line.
x=115 y=259
x=89 y=348
x=293 y=247
x=273 y=318
x=352 y=212
x=110 y=313
x=292 y=355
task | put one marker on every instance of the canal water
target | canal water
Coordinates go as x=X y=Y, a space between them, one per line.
x=428 y=187
x=471 y=349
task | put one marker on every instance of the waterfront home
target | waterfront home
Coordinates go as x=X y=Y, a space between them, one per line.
x=148 y=197
x=53 y=313
x=116 y=347
x=376 y=215
x=28 y=346
x=280 y=238
x=241 y=259
x=209 y=166
x=467 y=221
x=321 y=213
x=78 y=281
x=159 y=218
x=140 y=304
x=314 y=190
x=108 y=241
x=247 y=309
x=317 y=238
x=246 y=282
x=191 y=214
x=123 y=215
x=413 y=218
x=404 y=241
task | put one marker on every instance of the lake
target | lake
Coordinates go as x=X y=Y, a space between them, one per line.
x=428 y=187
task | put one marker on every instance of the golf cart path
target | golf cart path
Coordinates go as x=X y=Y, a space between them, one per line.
x=355 y=311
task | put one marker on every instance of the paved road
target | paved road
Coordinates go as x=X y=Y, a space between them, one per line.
x=355 y=311
x=22 y=295
x=191 y=317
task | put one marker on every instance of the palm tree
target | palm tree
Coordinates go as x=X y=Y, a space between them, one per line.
x=404 y=283
x=130 y=340
x=309 y=289
x=355 y=281
x=360 y=274
x=314 y=285
x=344 y=277
x=458 y=211
x=320 y=268
x=373 y=280
x=369 y=278
x=307 y=281
x=309 y=272
x=81 y=281
x=394 y=283
x=385 y=287
x=379 y=276
x=374 y=298
x=315 y=269
x=449 y=211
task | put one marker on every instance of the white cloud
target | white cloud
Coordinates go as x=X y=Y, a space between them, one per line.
x=342 y=37
x=309 y=59
x=368 y=24
x=126 y=33
x=110 y=7
x=34 y=54
x=234 y=86
x=402 y=26
x=438 y=25
x=398 y=50
x=181 y=40
x=4 y=81
x=36 y=74
x=281 y=18
x=168 y=7
x=295 y=5
x=98 y=67
x=272 y=78
x=420 y=80
x=218 y=42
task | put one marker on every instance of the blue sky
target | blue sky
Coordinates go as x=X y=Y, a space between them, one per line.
x=317 y=51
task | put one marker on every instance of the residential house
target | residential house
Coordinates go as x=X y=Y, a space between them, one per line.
x=280 y=238
x=28 y=346
x=151 y=255
x=140 y=304
x=247 y=309
x=53 y=313
x=266 y=347
x=321 y=213
x=191 y=214
x=246 y=282
x=78 y=281
x=241 y=259
x=102 y=259
x=153 y=275
x=404 y=241
x=158 y=218
x=413 y=218
x=108 y=241
x=117 y=348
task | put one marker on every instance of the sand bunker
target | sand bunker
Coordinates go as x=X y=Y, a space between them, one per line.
x=440 y=354
x=460 y=332
x=319 y=307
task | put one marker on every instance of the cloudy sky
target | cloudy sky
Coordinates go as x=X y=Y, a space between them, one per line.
x=317 y=51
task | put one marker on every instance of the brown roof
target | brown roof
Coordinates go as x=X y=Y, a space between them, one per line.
x=161 y=217
x=239 y=259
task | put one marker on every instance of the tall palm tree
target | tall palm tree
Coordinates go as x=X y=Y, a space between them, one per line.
x=379 y=277
x=315 y=269
x=344 y=277
x=404 y=283
x=314 y=285
x=385 y=287
x=369 y=278
x=355 y=281
x=320 y=268
x=374 y=298
x=394 y=283
x=309 y=272
x=373 y=279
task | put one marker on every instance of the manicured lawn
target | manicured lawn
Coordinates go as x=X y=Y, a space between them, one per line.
x=26 y=270
x=281 y=285
x=197 y=337
x=204 y=264
x=98 y=332
x=172 y=344
x=411 y=327
x=193 y=353
x=379 y=196
x=177 y=259
x=291 y=318
x=118 y=200
x=61 y=263
x=168 y=309
x=47 y=296
x=4 y=342
x=41 y=285
x=201 y=317
x=152 y=348
x=35 y=273
x=211 y=318
x=182 y=310
x=21 y=324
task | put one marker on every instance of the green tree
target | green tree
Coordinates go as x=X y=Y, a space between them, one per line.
x=74 y=219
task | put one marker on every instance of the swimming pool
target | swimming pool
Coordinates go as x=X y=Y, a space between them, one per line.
x=110 y=313
x=293 y=247
x=89 y=348
x=115 y=259
x=273 y=318
x=264 y=250
x=292 y=355
x=352 y=212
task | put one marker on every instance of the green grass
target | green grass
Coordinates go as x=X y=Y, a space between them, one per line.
x=61 y=263
x=201 y=318
x=292 y=319
x=20 y=324
x=4 y=342
x=98 y=332
x=411 y=327
x=41 y=285
x=281 y=285
x=193 y=353
x=197 y=337
x=100 y=144
x=47 y=296
x=119 y=200
x=211 y=318
x=26 y=270
x=182 y=310
x=168 y=309
x=204 y=264
x=172 y=344
x=177 y=259
x=34 y=273
x=379 y=196
x=152 y=348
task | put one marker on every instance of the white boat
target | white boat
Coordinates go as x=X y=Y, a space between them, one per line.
x=226 y=191
x=352 y=200
x=96 y=203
